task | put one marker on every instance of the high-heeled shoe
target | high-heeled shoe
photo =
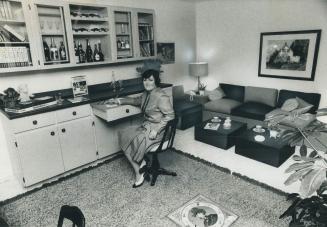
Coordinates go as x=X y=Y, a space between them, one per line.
x=140 y=182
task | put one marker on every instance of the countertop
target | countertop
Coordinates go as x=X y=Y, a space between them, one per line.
x=96 y=93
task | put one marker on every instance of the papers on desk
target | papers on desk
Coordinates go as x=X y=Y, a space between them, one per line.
x=212 y=126
x=78 y=99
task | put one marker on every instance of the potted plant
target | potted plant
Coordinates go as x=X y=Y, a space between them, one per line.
x=202 y=88
x=309 y=207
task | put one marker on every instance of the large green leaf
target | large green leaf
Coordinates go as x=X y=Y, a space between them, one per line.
x=298 y=175
x=298 y=166
x=303 y=150
x=312 y=181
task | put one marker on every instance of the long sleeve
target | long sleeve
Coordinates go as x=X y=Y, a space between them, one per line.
x=165 y=107
x=135 y=101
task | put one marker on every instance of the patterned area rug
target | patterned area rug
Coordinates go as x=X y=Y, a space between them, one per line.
x=202 y=212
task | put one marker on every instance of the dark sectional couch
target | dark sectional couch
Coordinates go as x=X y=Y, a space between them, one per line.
x=251 y=104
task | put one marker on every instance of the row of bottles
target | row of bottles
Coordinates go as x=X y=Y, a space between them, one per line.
x=122 y=44
x=52 y=53
x=88 y=55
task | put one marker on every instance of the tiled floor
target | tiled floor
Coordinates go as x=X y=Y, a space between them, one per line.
x=258 y=171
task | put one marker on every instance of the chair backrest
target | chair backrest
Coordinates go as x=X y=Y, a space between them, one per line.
x=168 y=136
x=72 y=213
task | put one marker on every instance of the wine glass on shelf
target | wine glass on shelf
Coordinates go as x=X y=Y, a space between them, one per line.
x=50 y=25
x=57 y=23
x=42 y=25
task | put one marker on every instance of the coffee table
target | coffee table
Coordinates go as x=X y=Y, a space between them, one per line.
x=222 y=138
x=270 y=151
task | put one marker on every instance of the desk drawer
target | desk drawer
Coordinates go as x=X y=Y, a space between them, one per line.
x=115 y=113
x=33 y=122
x=73 y=113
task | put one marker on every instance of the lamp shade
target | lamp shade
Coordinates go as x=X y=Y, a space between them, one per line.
x=198 y=69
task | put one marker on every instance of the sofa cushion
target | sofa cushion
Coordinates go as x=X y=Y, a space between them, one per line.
x=266 y=96
x=217 y=93
x=235 y=92
x=290 y=104
x=252 y=110
x=222 y=105
x=311 y=98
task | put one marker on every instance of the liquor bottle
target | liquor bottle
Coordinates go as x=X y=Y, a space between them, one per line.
x=96 y=55
x=46 y=51
x=122 y=44
x=100 y=52
x=126 y=44
x=89 y=52
x=81 y=53
x=53 y=51
x=119 y=46
x=62 y=51
x=76 y=53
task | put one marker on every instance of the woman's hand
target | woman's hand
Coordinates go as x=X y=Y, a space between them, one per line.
x=153 y=134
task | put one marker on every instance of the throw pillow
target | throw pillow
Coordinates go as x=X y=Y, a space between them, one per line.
x=215 y=94
x=303 y=106
x=290 y=104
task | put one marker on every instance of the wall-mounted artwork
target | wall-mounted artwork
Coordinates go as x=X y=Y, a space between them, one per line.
x=166 y=52
x=289 y=55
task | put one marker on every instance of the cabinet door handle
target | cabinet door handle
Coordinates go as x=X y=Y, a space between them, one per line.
x=52 y=133
x=35 y=122
x=127 y=110
x=74 y=113
x=63 y=130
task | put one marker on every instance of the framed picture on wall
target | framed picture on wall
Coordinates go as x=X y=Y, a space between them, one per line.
x=289 y=55
x=166 y=52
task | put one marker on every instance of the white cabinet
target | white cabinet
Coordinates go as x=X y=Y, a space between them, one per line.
x=77 y=141
x=48 y=144
x=39 y=154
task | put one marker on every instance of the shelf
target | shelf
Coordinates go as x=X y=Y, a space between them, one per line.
x=52 y=34
x=90 y=33
x=56 y=62
x=102 y=19
x=15 y=43
x=12 y=21
x=146 y=40
x=121 y=22
x=123 y=49
x=49 y=14
x=121 y=34
x=145 y=25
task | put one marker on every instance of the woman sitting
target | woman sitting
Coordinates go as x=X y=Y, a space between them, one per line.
x=136 y=141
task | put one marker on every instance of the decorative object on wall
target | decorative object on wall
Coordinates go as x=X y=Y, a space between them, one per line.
x=201 y=211
x=198 y=69
x=289 y=55
x=154 y=64
x=166 y=52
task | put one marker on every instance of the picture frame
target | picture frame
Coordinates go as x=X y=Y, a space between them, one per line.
x=79 y=86
x=166 y=52
x=289 y=54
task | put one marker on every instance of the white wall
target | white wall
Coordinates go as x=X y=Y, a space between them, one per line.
x=228 y=37
x=175 y=22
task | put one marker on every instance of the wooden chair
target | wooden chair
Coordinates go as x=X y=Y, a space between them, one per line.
x=72 y=213
x=165 y=144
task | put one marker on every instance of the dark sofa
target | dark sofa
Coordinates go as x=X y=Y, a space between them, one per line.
x=251 y=104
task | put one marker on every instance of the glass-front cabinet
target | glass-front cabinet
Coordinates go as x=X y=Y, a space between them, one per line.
x=45 y=34
x=16 y=51
x=123 y=33
x=52 y=34
x=91 y=33
x=145 y=24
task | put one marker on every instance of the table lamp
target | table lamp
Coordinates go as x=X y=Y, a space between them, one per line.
x=198 y=69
